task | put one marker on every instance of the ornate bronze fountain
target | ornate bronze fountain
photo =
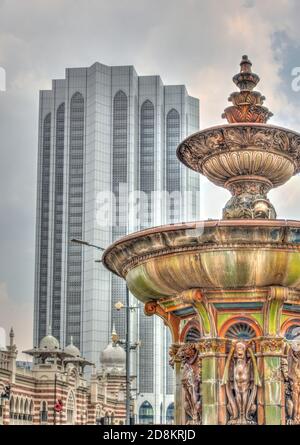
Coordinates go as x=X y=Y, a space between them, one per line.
x=229 y=290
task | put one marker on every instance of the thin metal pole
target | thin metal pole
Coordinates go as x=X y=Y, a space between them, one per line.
x=127 y=358
x=54 y=398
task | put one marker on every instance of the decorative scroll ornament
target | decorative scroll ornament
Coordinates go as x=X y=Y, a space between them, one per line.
x=290 y=368
x=241 y=379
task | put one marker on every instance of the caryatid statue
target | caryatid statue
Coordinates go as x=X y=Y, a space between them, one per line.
x=241 y=379
x=188 y=355
x=291 y=373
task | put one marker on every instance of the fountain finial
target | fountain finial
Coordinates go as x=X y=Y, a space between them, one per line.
x=247 y=104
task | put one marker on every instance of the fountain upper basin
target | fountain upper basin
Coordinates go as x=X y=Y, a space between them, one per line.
x=215 y=254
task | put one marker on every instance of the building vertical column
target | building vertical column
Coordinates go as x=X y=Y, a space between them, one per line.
x=178 y=412
x=5 y=412
x=209 y=354
x=175 y=362
x=222 y=400
x=272 y=351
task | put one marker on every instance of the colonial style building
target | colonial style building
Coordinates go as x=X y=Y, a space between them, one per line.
x=55 y=391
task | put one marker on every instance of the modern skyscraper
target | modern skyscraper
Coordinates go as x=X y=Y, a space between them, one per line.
x=107 y=129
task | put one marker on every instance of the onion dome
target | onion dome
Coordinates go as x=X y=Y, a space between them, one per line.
x=49 y=343
x=72 y=349
x=113 y=355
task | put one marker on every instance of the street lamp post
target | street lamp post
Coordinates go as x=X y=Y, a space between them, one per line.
x=128 y=393
x=127 y=341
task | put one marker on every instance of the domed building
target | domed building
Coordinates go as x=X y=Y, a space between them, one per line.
x=72 y=350
x=113 y=357
x=49 y=343
x=55 y=391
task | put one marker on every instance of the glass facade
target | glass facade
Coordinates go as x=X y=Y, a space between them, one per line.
x=75 y=219
x=119 y=176
x=100 y=127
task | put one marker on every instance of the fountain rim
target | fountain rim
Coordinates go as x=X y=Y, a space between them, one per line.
x=190 y=138
x=239 y=124
x=213 y=223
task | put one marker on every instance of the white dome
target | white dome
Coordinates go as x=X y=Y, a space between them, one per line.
x=72 y=349
x=113 y=356
x=49 y=343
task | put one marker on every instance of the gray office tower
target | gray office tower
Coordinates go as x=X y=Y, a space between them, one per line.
x=103 y=130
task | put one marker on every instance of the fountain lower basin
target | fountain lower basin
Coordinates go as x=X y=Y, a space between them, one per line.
x=215 y=254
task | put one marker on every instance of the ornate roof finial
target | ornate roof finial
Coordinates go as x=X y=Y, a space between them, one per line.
x=247 y=104
x=114 y=335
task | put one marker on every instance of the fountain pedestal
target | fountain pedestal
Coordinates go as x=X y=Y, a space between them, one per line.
x=228 y=290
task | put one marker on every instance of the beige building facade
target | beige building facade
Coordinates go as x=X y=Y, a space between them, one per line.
x=52 y=389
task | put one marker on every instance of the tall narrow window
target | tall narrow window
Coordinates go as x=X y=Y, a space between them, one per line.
x=147 y=167
x=146 y=414
x=58 y=219
x=75 y=218
x=147 y=180
x=119 y=176
x=172 y=164
x=44 y=413
x=71 y=409
x=44 y=226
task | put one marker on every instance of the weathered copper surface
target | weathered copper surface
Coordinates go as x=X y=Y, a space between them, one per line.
x=166 y=260
x=229 y=290
x=244 y=153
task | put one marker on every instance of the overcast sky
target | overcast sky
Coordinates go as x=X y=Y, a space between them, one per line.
x=195 y=42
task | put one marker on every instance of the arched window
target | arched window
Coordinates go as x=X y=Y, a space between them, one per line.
x=147 y=160
x=172 y=165
x=17 y=410
x=43 y=413
x=193 y=335
x=71 y=409
x=241 y=331
x=119 y=167
x=146 y=415
x=21 y=413
x=44 y=187
x=170 y=414
x=75 y=217
x=98 y=416
x=292 y=332
x=58 y=219
x=11 y=407
x=120 y=216
x=31 y=411
x=147 y=185
x=26 y=411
